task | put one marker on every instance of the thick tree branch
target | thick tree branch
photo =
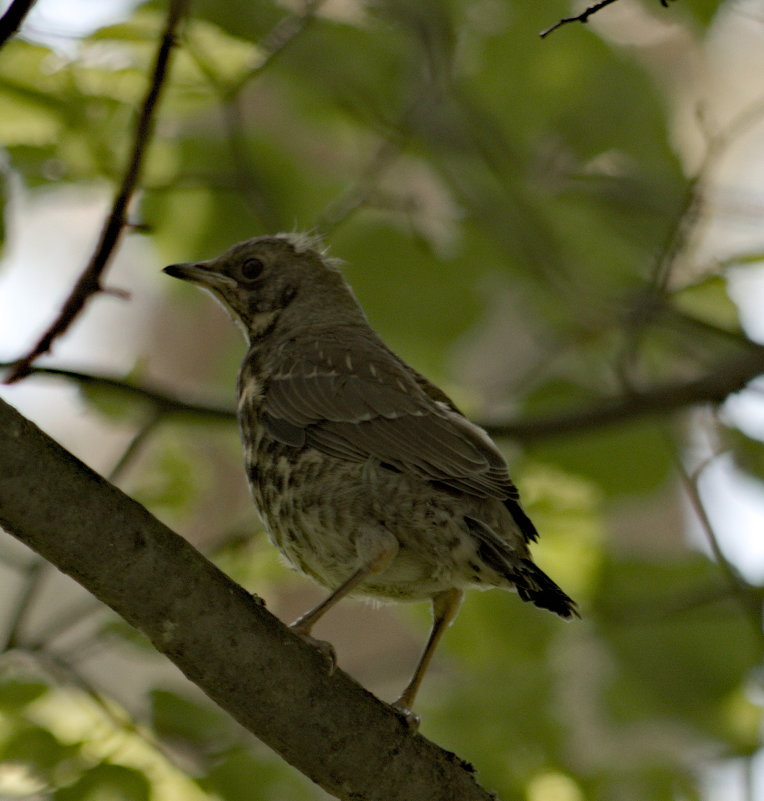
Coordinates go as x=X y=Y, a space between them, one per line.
x=11 y=21
x=275 y=684
x=89 y=282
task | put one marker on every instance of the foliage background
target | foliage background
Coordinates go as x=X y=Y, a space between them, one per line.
x=536 y=225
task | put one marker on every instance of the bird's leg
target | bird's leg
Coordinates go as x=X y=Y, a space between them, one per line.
x=445 y=605
x=376 y=552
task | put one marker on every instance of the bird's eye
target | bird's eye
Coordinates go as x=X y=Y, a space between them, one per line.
x=251 y=269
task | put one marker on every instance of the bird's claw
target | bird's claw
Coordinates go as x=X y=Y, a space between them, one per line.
x=410 y=718
x=326 y=649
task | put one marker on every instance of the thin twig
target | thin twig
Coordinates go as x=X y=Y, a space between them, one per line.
x=33 y=577
x=583 y=17
x=714 y=386
x=14 y=16
x=678 y=239
x=278 y=39
x=358 y=194
x=695 y=198
x=748 y=596
x=62 y=670
x=164 y=402
x=57 y=625
x=273 y=44
x=133 y=447
x=89 y=282
x=245 y=174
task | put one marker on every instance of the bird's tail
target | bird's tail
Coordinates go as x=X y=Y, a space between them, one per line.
x=530 y=581
x=533 y=585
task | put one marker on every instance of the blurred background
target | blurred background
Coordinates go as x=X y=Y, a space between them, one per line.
x=564 y=233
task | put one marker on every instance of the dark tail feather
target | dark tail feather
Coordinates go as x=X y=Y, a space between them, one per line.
x=524 y=523
x=531 y=582
x=533 y=585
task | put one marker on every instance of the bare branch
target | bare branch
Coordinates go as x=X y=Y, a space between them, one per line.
x=164 y=402
x=133 y=447
x=695 y=198
x=714 y=386
x=749 y=597
x=583 y=17
x=14 y=16
x=272 y=681
x=33 y=575
x=89 y=282
x=278 y=39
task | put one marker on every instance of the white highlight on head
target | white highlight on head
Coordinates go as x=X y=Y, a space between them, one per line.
x=303 y=241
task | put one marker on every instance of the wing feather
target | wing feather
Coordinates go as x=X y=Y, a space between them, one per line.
x=366 y=404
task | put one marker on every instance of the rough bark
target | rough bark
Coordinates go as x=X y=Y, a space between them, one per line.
x=223 y=639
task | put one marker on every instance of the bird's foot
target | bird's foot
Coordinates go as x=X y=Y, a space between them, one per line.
x=326 y=649
x=409 y=717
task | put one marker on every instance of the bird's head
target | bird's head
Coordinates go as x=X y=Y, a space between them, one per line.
x=261 y=280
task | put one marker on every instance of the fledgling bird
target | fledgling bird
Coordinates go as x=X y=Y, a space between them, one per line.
x=366 y=475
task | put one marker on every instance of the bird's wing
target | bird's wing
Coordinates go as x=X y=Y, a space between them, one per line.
x=363 y=402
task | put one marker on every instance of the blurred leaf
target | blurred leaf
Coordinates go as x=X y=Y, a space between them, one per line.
x=175 y=717
x=709 y=302
x=107 y=782
x=171 y=479
x=38 y=749
x=419 y=303
x=116 y=627
x=747 y=452
x=15 y=694
x=755 y=257
x=627 y=458
x=568 y=512
x=684 y=642
x=702 y=10
x=241 y=776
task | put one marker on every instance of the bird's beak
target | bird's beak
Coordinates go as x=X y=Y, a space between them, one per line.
x=199 y=273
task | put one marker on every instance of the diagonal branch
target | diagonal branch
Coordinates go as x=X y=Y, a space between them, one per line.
x=224 y=640
x=14 y=16
x=89 y=282
x=749 y=597
x=583 y=17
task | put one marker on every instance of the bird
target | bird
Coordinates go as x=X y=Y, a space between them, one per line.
x=366 y=475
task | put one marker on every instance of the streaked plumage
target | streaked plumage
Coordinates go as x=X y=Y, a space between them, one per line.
x=366 y=475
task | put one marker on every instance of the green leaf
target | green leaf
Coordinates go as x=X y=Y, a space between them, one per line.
x=178 y=718
x=703 y=11
x=15 y=694
x=683 y=650
x=107 y=782
x=709 y=302
x=623 y=459
x=747 y=451
x=36 y=748
x=242 y=776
